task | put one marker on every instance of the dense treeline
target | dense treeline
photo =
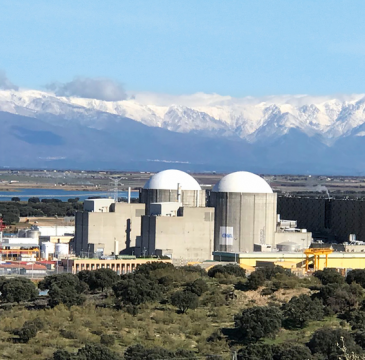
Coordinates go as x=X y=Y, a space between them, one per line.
x=166 y=312
x=12 y=210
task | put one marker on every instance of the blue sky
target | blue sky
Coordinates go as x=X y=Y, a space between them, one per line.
x=237 y=48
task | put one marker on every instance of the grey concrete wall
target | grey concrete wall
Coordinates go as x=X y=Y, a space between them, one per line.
x=245 y=219
x=123 y=224
x=190 y=198
x=97 y=205
x=186 y=238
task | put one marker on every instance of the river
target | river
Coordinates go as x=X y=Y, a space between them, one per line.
x=64 y=195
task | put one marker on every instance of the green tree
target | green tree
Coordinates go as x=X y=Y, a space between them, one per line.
x=137 y=289
x=184 y=300
x=257 y=322
x=229 y=269
x=103 y=279
x=10 y=218
x=292 y=352
x=329 y=276
x=338 y=298
x=17 y=289
x=357 y=275
x=255 y=280
x=198 y=287
x=64 y=289
x=325 y=341
x=256 y=352
x=301 y=309
x=16 y=199
x=34 y=200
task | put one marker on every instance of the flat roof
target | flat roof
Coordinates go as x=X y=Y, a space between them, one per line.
x=285 y=254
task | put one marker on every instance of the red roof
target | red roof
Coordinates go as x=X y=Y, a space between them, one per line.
x=23 y=266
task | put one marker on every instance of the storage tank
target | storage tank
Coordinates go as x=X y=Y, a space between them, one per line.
x=172 y=186
x=33 y=234
x=47 y=250
x=61 y=250
x=288 y=246
x=245 y=212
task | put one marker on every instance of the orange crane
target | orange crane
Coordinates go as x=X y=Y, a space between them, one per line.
x=316 y=253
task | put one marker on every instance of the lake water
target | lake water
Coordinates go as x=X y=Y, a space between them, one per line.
x=64 y=195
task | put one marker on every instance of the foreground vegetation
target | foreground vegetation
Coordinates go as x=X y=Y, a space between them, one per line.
x=164 y=312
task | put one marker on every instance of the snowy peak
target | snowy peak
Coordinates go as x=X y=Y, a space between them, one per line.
x=207 y=114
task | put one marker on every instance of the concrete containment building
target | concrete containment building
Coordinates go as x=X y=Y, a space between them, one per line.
x=114 y=228
x=173 y=186
x=177 y=224
x=245 y=212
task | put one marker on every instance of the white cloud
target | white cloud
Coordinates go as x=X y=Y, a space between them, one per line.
x=98 y=88
x=5 y=83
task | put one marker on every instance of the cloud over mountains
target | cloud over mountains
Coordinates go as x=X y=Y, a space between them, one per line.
x=5 y=83
x=91 y=88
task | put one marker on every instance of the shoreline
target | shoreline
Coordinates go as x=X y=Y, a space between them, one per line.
x=18 y=187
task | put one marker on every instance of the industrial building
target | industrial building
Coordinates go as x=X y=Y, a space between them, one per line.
x=333 y=220
x=121 y=266
x=106 y=227
x=177 y=219
x=177 y=224
x=173 y=186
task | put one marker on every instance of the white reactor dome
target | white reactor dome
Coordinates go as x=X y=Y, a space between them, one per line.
x=243 y=182
x=169 y=180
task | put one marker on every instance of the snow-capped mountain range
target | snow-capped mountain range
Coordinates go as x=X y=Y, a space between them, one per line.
x=204 y=131
x=213 y=115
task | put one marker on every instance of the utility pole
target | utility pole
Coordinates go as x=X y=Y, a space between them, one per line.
x=115 y=182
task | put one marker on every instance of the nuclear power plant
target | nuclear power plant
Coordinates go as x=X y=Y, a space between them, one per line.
x=176 y=218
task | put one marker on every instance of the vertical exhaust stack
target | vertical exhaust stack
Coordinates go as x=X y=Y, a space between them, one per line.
x=129 y=195
x=178 y=192
x=116 y=247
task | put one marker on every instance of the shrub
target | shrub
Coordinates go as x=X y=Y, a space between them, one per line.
x=17 y=289
x=64 y=289
x=291 y=352
x=357 y=275
x=139 y=352
x=326 y=342
x=256 y=352
x=184 y=300
x=29 y=330
x=136 y=290
x=255 y=280
x=329 y=276
x=107 y=340
x=62 y=355
x=228 y=269
x=93 y=352
x=301 y=309
x=339 y=298
x=258 y=322
x=197 y=287
x=99 y=279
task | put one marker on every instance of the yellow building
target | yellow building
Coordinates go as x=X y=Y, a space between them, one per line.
x=339 y=260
